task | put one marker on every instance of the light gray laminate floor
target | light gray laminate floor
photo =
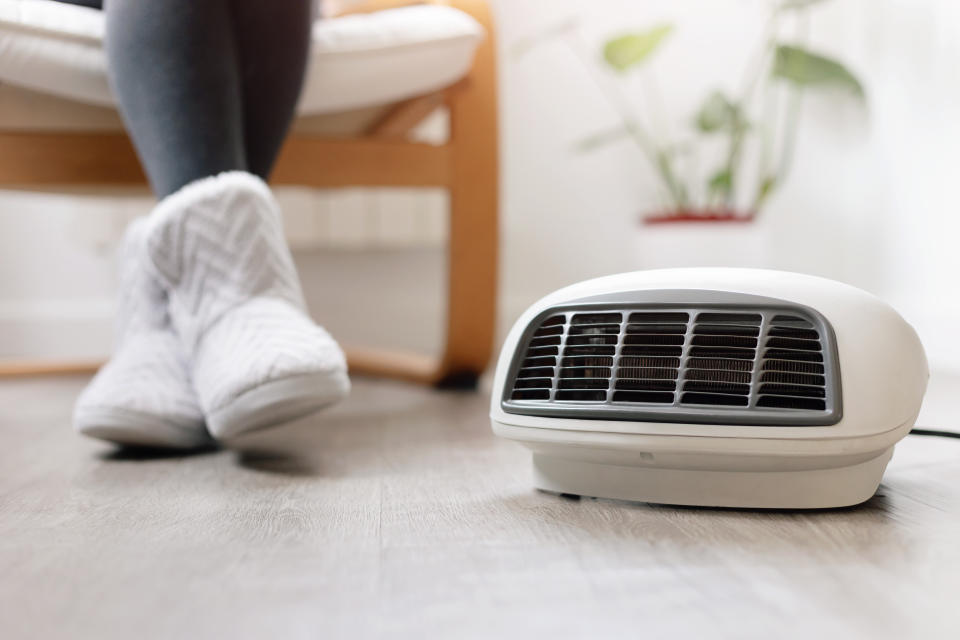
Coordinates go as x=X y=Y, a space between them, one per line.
x=398 y=514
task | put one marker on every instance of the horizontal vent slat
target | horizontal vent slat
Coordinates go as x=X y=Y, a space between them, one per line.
x=658 y=374
x=581 y=395
x=533 y=383
x=786 y=402
x=786 y=332
x=657 y=328
x=659 y=316
x=724 y=341
x=723 y=352
x=587 y=361
x=593 y=350
x=792 y=321
x=786 y=354
x=713 y=398
x=792 y=390
x=653 y=339
x=537 y=352
x=549 y=331
x=794 y=343
x=591 y=340
x=717 y=387
x=649 y=361
x=545 y=341
x=732 y=318
x=536 y=372
x=655 y=397
x=793 y=378
x=720 y=363
x=585 y=372
x=596 y=318
x=726 y=330
x=718 y=375
x=651 y=350
x=791 y=365
x=545 y=361
x=530 y=394
x=583 y=383
x=651 y=385
x=594 y=329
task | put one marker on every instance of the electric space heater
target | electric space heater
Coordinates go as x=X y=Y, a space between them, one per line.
x=712 y=387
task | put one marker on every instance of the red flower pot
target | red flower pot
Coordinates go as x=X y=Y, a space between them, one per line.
x=688 y=216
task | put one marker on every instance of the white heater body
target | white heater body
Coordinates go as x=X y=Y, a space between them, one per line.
x=712 y=387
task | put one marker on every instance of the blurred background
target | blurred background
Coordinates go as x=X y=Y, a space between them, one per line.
x=862 y=193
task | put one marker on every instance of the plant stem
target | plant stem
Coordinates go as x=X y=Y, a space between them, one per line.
x=792 y=125
x=768 y=122
x=751 y=80
x=657 y=157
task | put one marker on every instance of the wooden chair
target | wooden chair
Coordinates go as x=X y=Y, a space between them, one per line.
x=466 y=166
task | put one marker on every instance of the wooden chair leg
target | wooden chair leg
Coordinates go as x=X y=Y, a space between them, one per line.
x=473 y=252
x=474 y=205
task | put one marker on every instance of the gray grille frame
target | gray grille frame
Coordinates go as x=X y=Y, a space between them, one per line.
x=692 y=302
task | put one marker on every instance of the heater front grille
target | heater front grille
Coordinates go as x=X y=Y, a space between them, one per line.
x=678 y=363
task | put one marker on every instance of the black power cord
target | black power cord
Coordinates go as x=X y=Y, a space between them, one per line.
x=934 y=432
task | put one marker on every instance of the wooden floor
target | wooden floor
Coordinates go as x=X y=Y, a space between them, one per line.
x=398 y=515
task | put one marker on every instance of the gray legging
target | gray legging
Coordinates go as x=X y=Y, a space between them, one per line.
x=206 y=86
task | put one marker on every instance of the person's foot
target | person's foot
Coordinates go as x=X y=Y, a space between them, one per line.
x=142 y=396
x=217 y=247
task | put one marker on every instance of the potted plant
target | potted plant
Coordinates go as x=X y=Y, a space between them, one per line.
x=764 y=112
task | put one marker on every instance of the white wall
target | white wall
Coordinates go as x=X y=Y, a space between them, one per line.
x=869 y=202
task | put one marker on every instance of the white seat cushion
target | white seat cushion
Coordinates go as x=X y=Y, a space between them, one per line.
x=356 y=61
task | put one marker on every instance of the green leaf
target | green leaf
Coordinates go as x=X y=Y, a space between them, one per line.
x=678 y=190
x=718 y=113
x=721 y=182
x=806 y=69
x=631 y=49
x=766 y=188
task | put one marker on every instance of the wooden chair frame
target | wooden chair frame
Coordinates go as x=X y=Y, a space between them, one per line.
x=466 y=166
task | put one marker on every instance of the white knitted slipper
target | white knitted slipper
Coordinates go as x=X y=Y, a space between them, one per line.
x=143 y=396
x=217 y=246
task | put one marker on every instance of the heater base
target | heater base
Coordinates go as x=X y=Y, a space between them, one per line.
x=798 y=489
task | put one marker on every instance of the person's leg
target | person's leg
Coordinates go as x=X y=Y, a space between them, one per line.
x=215 y=241
x=273 y=41
x=174 y=69
x=268 y=54
x=258 y=360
